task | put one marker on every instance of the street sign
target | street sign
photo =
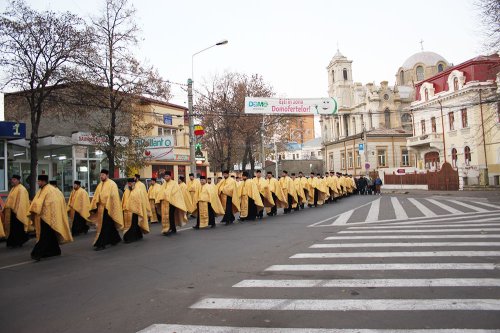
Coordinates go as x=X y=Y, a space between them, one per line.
x=12 y=130
x=400 y=171
x=367 y=166
x=361 y=146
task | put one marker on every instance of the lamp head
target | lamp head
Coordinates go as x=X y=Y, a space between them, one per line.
x=222 y=42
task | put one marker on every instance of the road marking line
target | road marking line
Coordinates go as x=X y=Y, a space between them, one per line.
x=167 y=328
x=411 y=237
x=361 y=245
x=349 y=304
x=491 y=224
x=334 y=217
x=343 y=218
x=445 y=207
x=398 y=209
x=477 y=209
x=381 y=267
x=416 y=230
x=368 y=283
x=373 y=212
x=423 y=209
x=486 y=204
x=396 y=254
x=18 y=264
x=456 y=220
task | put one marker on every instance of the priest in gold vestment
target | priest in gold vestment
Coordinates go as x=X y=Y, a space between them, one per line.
x=172 y=205
x=48 y=212
x=301 y=196
x=227 y=189
x=107 y=205
x=135 y=212
x=193 y=186
x=79 y=209
x=188 y=199
x=153 y=190
x=140 y=185
x=265 y=193
x=305 y=188
x=16 y=214
x=289 y=191
x=250 y=200
x=208 y=205
x=280 y=201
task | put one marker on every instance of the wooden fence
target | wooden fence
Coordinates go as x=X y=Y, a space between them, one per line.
x=446 y=179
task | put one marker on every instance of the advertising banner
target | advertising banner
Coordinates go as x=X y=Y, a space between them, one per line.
x=298 y=106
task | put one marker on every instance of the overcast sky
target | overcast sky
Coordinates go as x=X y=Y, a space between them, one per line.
x=290 y=42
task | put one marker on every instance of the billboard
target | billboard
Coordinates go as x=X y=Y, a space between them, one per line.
x=298 y=106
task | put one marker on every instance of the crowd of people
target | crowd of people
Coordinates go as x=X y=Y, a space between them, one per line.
x=126 y=216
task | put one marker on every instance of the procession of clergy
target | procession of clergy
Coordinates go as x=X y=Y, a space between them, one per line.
x=171 y=203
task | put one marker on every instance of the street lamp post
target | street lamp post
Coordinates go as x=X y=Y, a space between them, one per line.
x=190 y=107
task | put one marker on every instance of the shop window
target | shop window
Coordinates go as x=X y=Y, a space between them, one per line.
x=467 y=155
x=451 y=120
x=433 y=124
x=465 y=121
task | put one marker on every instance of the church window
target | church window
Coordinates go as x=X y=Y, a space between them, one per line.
x=344 y=72
x=440 y=68
x=401 y=77
x=455 y=84
x=420 y=73
x=387 y=116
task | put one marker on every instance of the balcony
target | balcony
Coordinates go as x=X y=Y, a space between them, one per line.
x=431 y=140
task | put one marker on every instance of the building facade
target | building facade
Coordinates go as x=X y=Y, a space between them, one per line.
x=457 y=120
x=370 y=129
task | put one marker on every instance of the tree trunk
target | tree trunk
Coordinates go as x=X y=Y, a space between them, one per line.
x=33 y=163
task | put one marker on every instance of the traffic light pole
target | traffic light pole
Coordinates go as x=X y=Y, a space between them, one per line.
x=191 y=128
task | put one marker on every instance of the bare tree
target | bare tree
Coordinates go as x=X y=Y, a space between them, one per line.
x=38 y=52
x=489 y=11
x=117 y=81
x=231 y=135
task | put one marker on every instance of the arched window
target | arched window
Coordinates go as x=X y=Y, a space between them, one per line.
x=454 y=157
x=426 y=94
x=402 y=78
x=467 y=155
x=344 y=72
x=387 y=118
x=406 y=122
x=440 y=68
x=455 y=84
x=420 y=73
x=333 y=76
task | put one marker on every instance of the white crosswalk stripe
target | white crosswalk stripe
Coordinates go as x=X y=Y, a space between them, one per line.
x=376 y=258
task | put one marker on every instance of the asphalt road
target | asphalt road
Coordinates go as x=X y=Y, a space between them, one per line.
x=239 y=276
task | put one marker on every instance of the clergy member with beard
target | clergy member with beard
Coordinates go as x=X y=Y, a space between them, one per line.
x=289 y=191
x=135 y=213
x=228 y=195
x=172 y=205
x=265 y=193
x=16 y=214
x=153 y=190
x=48 y=212
x=79 y=209
x=188 y=199
x=250 y=201
x=278 y=197
x=140 y=185
x=208 y=205
x=106 y=202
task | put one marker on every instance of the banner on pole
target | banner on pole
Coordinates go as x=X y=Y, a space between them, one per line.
x=299 y=106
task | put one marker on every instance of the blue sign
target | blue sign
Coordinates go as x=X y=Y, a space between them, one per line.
x=12 y=130
x=361 y=146
x=167 y=119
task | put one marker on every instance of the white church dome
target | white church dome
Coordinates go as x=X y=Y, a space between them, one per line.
x=427 y=58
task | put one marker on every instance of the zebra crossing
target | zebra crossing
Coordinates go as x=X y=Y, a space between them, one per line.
x=439 y=275
x=403 y=209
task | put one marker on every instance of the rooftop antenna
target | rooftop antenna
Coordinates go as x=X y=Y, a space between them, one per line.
x=421 y=44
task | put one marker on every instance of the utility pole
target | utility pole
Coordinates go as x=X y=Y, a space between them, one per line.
x=276 y=157
x=262 y=154
x=191 y=127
